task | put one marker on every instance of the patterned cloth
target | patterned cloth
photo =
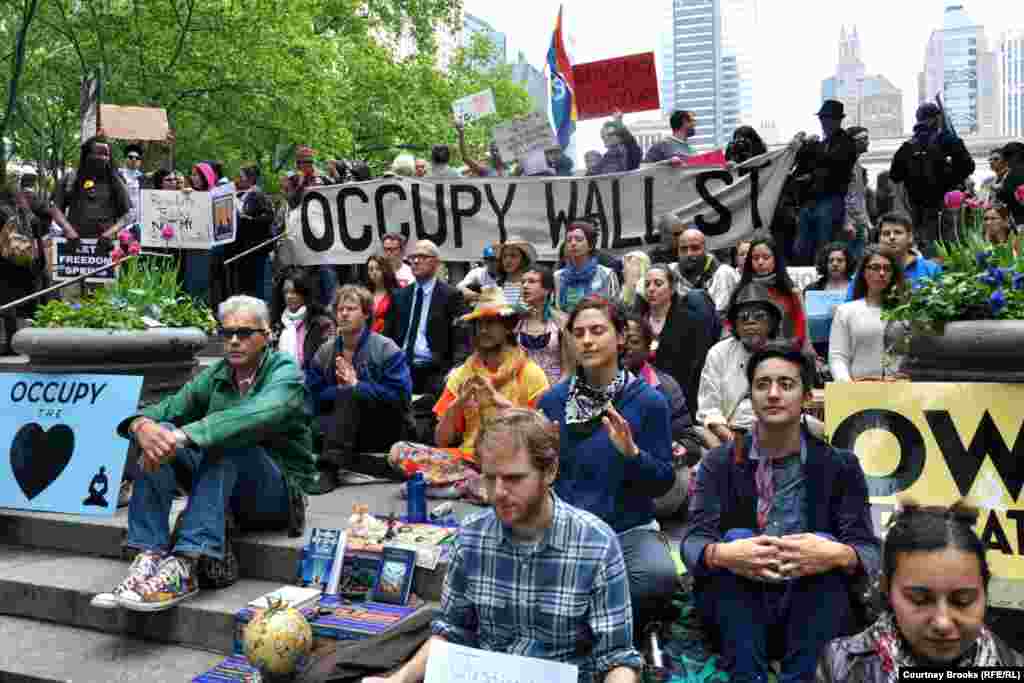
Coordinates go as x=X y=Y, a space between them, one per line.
x=894 y=652
x=764 y=480
x=586 y=405
x=565 y=598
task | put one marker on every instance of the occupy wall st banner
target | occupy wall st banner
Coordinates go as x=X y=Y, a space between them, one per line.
x=345 y=223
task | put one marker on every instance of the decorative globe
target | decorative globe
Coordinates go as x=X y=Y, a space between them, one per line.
x=278 y=640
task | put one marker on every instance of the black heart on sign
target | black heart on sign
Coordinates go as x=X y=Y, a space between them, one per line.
x=39 y=456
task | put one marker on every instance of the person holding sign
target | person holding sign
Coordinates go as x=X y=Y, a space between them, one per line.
x=497 y=167
x=935 y=582
x=857 y=341
x=92 y=202
x=836 y=267
x=676 y=147
x=533 y=575
x=779 y=530
x=622 y=153
x=240 y=429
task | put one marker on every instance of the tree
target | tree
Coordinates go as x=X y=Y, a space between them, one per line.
x=23 y=13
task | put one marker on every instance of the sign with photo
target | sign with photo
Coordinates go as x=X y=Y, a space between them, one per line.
x=64 y=454
x=474 y=106
x=188 y=220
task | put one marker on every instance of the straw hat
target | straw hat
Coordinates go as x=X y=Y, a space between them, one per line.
x=492 y=304
x=528 y=250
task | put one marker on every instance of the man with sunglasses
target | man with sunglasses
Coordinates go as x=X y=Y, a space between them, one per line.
x=240 y=430
x=134 y=179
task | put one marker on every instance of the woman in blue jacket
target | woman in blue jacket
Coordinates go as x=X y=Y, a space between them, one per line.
x=615 y=454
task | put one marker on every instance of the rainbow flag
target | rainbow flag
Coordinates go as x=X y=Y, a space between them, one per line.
x=563 y=86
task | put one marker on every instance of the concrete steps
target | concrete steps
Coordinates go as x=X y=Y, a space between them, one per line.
x=41 y=652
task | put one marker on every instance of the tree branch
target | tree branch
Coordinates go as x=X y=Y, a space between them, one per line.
x=184 y=32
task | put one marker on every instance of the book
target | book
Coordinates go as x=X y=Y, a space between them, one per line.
x=234 y=668
x=321 y=559
x=296 y=596
x=394 y=583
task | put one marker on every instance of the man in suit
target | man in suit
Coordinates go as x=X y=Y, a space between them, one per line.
x=421 y=321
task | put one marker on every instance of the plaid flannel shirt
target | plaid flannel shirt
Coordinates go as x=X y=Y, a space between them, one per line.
x=565 y=598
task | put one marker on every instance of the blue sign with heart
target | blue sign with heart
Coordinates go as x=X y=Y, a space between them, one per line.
x=58 y=441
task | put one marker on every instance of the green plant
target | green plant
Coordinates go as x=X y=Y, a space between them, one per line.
x=980 y=281
x=145 y=294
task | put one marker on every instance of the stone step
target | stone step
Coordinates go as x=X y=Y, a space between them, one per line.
x=268 y=556
x=43 y=652
x=57 y=587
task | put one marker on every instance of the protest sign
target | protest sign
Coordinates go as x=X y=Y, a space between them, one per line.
x=517 y=138
x=69 y=261
x=626 y=84
x=345 y=223
x=475 y=106
x=821 y=308
x=134 y=123
x=65 y=455
x=451 y=663
x=197 y=220
x=938 y=443
x=802 y=276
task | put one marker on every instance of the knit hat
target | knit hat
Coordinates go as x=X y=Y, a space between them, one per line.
x=208 y=175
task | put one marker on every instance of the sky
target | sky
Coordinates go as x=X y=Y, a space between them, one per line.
x=799 y=43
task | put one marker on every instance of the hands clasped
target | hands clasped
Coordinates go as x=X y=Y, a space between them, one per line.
x=779 y=558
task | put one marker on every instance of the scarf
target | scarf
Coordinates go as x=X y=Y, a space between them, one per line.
x=648 y=375
x=894 y=652
x=291 y=322
x=586 y=405
x=764 y=480
x=701 y=275
x=768 y=279
x=513 y=360
x=573 y=279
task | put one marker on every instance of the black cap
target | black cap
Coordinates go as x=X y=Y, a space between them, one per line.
x=832 y=109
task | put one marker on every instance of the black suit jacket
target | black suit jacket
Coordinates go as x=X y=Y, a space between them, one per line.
x=442 y=336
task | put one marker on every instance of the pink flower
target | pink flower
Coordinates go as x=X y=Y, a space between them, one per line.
x=973 y=203
x=125 y=237
x=1019 y=194
x=954 y=199
x=134 y=248
x=167 y=233
x=116 y=255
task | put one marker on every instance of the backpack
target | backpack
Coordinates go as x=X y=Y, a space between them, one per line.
x=926 y=172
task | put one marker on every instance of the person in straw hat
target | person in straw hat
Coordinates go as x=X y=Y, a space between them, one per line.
x=497 y=375
x=515 y=256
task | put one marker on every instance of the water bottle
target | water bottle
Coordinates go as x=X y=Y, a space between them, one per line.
x=417 y=498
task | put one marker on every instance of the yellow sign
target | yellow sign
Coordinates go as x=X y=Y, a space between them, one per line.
x=937 y=443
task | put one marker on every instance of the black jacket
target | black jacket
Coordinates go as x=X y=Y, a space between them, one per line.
x=826 y=167
x=442 y=333
x=929 y=171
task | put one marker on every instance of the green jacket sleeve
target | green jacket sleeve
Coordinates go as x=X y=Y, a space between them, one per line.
x=274 y=404
x=188 y=404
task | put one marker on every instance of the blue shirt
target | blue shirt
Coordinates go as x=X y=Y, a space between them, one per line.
x=421 y=350
x=564 y=598
x=788 y=514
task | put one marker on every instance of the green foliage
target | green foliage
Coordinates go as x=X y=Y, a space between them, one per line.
x=146 y=287
x=979 y=282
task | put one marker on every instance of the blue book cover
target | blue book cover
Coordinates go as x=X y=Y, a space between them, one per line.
x=318 y=557
x=234 y=668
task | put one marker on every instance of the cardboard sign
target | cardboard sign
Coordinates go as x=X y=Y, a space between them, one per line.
x=197 y=220
x=821 y=308
x=58 y=432
x=69 y=263
x=626 y=84
x=134 y=123
x=517 y=138
x=938 y=443
x=451 y=663
x=475 y=106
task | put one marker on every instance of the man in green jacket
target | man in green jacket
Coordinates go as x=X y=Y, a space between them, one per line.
x=241 y=431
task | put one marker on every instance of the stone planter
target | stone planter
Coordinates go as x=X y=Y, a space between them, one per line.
x=165 y=357
x=968 y=351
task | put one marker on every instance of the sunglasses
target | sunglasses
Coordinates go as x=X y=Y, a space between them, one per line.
x=134 y=157
x=242 y=333
x=755 y=316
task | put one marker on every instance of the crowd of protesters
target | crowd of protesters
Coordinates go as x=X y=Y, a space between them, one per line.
x=584 y=401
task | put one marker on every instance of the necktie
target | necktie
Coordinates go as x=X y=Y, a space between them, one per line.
x=414 y=325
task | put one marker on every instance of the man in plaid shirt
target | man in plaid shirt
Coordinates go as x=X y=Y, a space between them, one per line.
x=534 y=576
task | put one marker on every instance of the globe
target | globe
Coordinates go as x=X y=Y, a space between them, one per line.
x=278 y=640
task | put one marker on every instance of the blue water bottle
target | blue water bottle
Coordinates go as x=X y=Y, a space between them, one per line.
x=417 y=495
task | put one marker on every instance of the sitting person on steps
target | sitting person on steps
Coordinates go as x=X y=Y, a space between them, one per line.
x=360 y=382
x=779 y=531
x=241 y=430
x=571 y=602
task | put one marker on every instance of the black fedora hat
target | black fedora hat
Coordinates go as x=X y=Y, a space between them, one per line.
x=832 y=109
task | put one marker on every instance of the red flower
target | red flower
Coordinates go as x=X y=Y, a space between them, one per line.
x=954 y=199
x=116 y=255
x=1019 y=194
x=134 y=248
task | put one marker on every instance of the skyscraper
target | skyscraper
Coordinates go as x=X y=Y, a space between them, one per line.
x=1010 y=57
x=871 y=101
x=708 y=65
x=959 y=64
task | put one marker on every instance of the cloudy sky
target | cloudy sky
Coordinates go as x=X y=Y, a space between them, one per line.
x=797 y=49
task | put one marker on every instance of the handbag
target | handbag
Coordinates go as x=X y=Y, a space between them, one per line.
x=15 y=247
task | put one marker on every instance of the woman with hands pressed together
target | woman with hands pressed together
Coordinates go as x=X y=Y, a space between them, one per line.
x=615 y=454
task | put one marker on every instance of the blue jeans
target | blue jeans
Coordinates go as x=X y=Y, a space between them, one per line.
x=791 y=621
x=246 y=479
x=653 y=577
x=818 y=226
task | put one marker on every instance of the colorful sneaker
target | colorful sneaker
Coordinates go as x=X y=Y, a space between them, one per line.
x=143 y=567
x=173 y=582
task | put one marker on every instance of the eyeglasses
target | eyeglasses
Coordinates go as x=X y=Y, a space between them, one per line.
x=755 y=316
x=878 y=268
x=243 y=333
